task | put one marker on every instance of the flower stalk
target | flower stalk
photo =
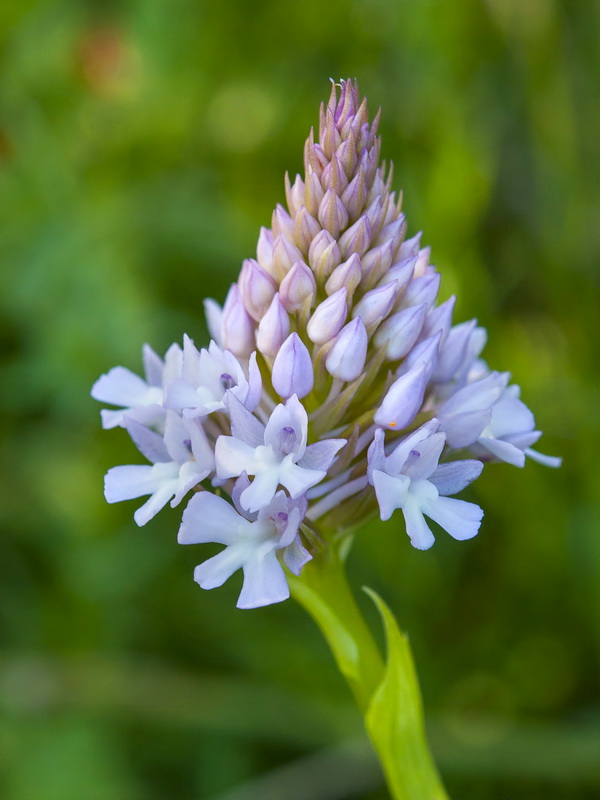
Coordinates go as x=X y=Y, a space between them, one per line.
x=386 y=692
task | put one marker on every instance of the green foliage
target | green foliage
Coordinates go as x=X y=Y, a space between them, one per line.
x=394 y=720
x=142 y=144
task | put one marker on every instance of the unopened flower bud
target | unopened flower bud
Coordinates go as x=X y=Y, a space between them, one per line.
x=332 y=213
x=328 y=318
x=375 y=305
x=314 y=157
x=427 y=352
x=334 y=176
x=237 y=326
x=401 y=272
x=422 y=262
x=410 y=247
x=355 y=194
x=282 y=223
x=214 y=316
x=394 y=232
x=346 y=154
x=357 y=238
x=264 y=250
x=297 y=286
x=294 y=194
x=403 y=400
x=324 y=255
x=422 y=290
x=306 y=229
x=314 y=193
x=376 y=262
x=273 y=328
x=376 y=213
x=292 y=369
x=257 y=288
x=328 y=133
x=439 y=318
x=400 y=332
x=347 y=274
x=347 y=357
x=285 y=255
x=453 y=350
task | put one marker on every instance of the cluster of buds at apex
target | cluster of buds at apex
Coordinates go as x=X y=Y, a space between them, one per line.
x=335 y=387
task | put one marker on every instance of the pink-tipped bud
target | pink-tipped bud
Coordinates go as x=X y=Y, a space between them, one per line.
x=357 y=238
x=334 y=177
x=273 y=328
x=328 y=133
x=257 y=288
x=237 y=326
x=285 y=255
x=314 y=193
x=264 y=250
x=375 y=305
x=346 y=154
x=294 y=194
x=328 y=318
x=399 y=333
x=403 y=400
x=306 y=229
x=347 y=357
x=355 y=194
x=332 y=213
x=347 y=274
x=282 y=223
x=292 y=371
x=324 y=255
x=297 y=286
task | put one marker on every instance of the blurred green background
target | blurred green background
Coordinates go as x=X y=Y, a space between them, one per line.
x=142 y=144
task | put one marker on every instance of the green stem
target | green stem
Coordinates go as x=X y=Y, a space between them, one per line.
x=387 y=694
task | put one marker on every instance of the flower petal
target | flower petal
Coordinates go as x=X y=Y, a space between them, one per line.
x=459 y=518
x=264 y=582
x=391 y=492
x=452 y=477
x=209 y=518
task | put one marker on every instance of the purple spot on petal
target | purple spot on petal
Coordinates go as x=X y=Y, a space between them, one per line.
x=287 y=440
x=227 y=381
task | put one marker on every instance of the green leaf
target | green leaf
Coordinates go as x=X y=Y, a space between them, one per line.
x=394 y=720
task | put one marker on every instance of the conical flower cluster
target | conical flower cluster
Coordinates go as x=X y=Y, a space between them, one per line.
x=335 y=385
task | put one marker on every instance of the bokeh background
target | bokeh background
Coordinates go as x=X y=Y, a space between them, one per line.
x=142 y=144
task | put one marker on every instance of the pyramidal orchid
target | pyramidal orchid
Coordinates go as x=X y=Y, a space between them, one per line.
x=337 y=386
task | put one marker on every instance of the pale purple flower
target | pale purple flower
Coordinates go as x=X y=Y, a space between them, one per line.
x=275 y=454
x=140 y=399
x=181 y=459
x=343 y=314
x=292 y=372
x=411 y=479
x=252 y=543
x=206 y=376
x=510 y=432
